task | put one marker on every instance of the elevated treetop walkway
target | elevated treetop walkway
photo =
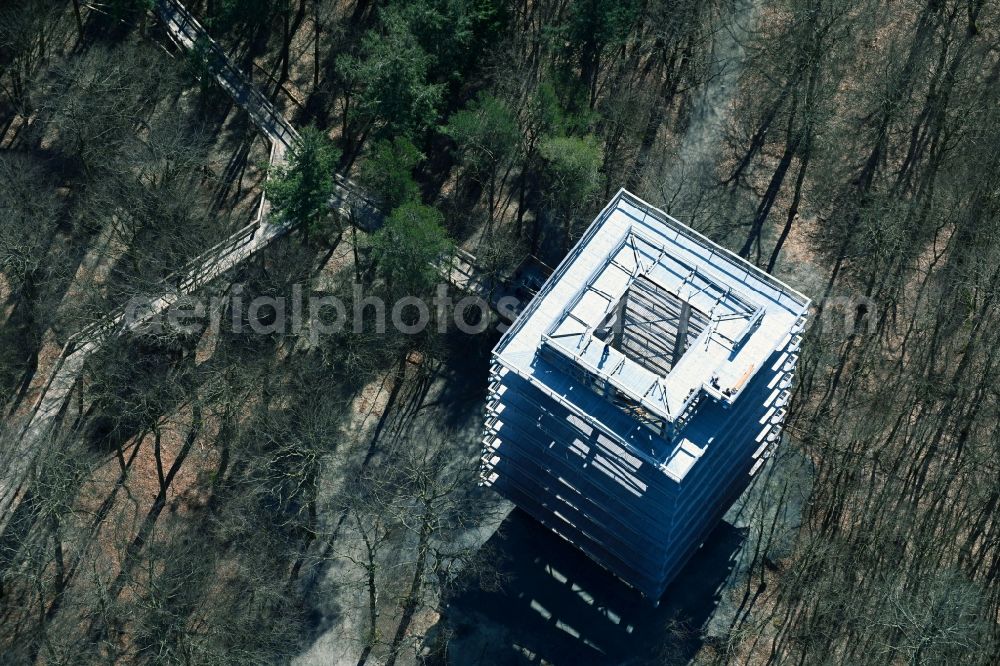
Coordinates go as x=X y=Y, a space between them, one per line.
x=348 y=201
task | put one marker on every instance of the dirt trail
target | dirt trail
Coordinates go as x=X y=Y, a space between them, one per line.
x=699 y=146
x=696 y=154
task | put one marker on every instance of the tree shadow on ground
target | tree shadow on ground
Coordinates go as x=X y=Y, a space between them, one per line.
x=466 y=373
x=557 y=606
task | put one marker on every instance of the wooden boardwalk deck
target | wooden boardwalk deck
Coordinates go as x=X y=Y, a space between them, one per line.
x=349 y=201
x=17 y=460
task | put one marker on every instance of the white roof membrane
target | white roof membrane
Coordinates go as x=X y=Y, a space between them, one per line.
x=750 y=314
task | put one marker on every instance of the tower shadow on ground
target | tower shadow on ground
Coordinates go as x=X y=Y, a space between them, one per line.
x=557 y=606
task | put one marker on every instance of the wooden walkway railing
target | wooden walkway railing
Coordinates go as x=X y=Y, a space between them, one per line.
x=17 y=460
x=348 y=200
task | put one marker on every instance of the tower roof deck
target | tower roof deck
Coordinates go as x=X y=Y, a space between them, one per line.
x=732 y=318
x=744 y=314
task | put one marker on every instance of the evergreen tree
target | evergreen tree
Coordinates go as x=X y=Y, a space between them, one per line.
x=388 y=172
x=300 y=192
x=407 y=248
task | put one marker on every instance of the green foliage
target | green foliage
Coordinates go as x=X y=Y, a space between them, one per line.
x=231 y=13
x=581 y=42
x=570 y=171
x=388 y=172
x=454 y=33
x=489 y=138
x=406 y=247
x=486 y=132
x=595 y=24
x=395 y=94
x=300 y=191
x=545 y=112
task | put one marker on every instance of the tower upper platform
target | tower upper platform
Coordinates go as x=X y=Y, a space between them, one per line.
x=645 y=318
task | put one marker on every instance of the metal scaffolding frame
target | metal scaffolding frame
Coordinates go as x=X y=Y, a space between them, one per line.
x=640 y=391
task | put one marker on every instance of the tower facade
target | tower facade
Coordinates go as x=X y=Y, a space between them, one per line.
x=634 y=399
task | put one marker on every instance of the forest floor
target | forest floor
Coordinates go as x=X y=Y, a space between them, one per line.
x=428 y=405
x=554 y=604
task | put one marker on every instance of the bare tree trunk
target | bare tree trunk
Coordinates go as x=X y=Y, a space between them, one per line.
x=793 y=212
x=78 y=17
